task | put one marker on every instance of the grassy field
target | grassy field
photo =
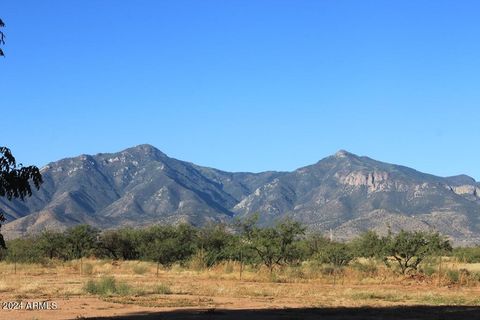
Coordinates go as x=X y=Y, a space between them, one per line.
x=105 y=288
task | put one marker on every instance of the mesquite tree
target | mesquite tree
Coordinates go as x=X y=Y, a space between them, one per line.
x=15 y=181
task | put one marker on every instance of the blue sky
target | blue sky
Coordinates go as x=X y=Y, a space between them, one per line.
x=244 y=85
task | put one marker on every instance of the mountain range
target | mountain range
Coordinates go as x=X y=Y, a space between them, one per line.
x=343 y=194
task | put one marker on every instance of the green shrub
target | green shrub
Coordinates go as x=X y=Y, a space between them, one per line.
x=453 y=276
x=336 y=254
x=429 y=270
x=162 y=289
x=407 y=250
x=107 y=286
x=369 y=268
x=91 y=287
x=467 y=255
x=123 y=289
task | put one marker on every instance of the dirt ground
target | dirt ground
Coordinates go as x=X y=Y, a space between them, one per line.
x=93 y=308
x=220 y=294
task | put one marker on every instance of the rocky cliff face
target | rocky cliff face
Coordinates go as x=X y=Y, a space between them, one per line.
x=344 y=192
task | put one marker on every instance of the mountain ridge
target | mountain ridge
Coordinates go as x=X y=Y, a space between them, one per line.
x=343 y=192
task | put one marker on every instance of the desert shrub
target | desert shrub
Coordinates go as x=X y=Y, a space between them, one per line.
x=24 y=250
x=198 y=261
x=312 y=268
x=453 y=276
x=369 y=268
x=123 y=289
x=368 y=245
x=167 y=244
x=119 y=244
x=139 y=268
x=295 y=272
x=327 y=270
x=216 y=243
x=81 y=241
x=429 y=270
x=87 y=268
x=107 y=286
x=336 y=254
x=467 y=254
x=162 y=289
x=276 y=278
x=312 y=245
x=52 y=244
x=229 y=267
x=274 y=246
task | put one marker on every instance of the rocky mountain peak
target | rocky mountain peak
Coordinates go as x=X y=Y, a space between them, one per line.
x=140 y=153
x=343 y=154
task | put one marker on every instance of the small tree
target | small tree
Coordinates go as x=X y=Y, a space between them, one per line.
x=81 y=240
x=167 y=244
x=274 y=245
x=120 y=244
x=368 y=245
x=336 y=254
x=409 y=249
x=313 y=244
x=216 y=243
x=23 y=250
x=52 y=244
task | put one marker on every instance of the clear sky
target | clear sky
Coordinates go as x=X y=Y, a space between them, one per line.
x=244 y=85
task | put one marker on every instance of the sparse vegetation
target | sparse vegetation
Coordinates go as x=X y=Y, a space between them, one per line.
x=107 y=286
x=162 y=289
x=284 y=246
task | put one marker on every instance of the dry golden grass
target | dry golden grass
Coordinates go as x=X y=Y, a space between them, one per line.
x=309 y=285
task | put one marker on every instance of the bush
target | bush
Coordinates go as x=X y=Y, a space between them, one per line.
x=468 y=255
x=24 y=250
x=107 y=286
x=198 y=261
x=429 y=270
x=453 y=276
x=368 y=245
x=80 y=241
x=275 y=246
x=167 y=245
x=87 y=268
x=162 y=289
x=327 y=270
x=336 y=254
x=139 y=268
x=369 y=268
x=229 y=267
